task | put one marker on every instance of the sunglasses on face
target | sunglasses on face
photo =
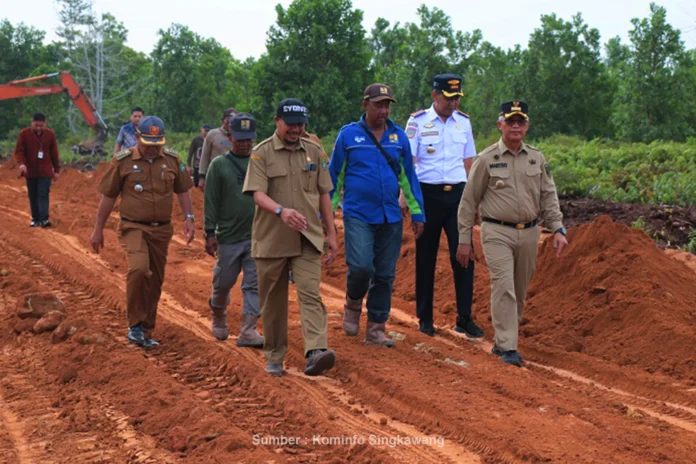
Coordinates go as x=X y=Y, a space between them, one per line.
x=516 y=122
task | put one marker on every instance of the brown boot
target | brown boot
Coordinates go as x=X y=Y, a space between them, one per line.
x=375 y=335
x=220 y=329
x=248 y=336
x=351 y=316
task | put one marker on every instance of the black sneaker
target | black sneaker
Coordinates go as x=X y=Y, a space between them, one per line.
x=512 y=358
x=497 y=351
x=427 y=328
x=46 y=223
x=35 y=224
x=319 y=361
x=469 y=328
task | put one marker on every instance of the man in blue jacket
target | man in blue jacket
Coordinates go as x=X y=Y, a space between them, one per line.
x=371 y=162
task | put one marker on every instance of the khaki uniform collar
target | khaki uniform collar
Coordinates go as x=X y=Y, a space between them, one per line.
x=137 y=155
x=502 y=148
x=278 y=143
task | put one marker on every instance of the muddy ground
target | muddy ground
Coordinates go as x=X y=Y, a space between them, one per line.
x=607 y=337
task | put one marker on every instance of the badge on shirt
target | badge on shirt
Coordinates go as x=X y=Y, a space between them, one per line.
x=182 y=167
x=429 y=125
x=427 y=133
x=411 y=132
x=393 y=138
x=532 y=161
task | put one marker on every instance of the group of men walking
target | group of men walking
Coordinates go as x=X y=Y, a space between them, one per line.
x=269 y=209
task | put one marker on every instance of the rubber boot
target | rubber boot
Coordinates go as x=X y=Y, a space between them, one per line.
x=351 y=316
x=248 y=336
x=375 y=335
x=220 y=329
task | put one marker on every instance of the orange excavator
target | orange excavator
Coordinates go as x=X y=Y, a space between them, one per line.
x=17 y=89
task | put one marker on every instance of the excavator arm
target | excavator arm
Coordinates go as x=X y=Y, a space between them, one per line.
x=17 y=89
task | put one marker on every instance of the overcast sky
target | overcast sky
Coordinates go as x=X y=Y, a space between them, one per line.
x=241 y=25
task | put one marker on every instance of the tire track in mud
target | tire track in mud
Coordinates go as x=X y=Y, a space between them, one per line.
x=200 y=327
x=344 y=418
x=676 y=414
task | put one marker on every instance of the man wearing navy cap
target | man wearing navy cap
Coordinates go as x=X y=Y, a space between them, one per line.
x=145 y=176
x=443 y=149
x=289 y=179
x=511 y=182
x=228 y=218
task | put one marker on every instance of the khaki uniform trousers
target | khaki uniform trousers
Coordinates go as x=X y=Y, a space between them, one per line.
x=146 y=249
x=273 y=299
x=511 y=257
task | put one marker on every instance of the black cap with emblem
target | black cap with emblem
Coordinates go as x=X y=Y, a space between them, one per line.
x=511 y=108
x=449 y=84
x=292 y=111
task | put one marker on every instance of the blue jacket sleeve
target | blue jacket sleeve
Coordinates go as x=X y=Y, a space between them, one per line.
x=337 y=167
x=417 y=213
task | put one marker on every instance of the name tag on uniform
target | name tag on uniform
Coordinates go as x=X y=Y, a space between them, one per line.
x=40 y=156
x=497 y=165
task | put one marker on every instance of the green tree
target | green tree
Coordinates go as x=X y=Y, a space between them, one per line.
x=654 y=98
x=317 y=52
x=565 y=80
x=22 y=52
x=194 y=79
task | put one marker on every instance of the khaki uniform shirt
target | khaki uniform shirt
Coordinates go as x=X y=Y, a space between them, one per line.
x=294 y=179
x=512 y=188
x=145 y=187
x=216 y=143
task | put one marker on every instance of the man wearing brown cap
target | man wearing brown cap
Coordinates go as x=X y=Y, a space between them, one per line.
x=371 y=161
x=511 y=182
x=145 y=177
x=216 y=143
x=289 y=180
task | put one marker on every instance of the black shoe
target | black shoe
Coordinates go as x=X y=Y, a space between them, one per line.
x=469 y=328
x=46 y=223
x=319 y=361
x=35 y=224
x=512 y=358
x=496 y=351
x=427 y=328
x=136 y=336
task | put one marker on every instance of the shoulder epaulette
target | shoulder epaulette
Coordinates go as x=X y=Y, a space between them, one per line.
x=123 y=154
x=170 y=152
x=529 y=146
x=312 y=142
x=263 y=142
x=463 y=114
x=418 y=113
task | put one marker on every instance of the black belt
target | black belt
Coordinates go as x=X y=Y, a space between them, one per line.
x=145 y=223
x=442 y=187
x=514 y=225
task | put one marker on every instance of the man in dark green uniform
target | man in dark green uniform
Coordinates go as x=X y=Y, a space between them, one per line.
x=228 y=218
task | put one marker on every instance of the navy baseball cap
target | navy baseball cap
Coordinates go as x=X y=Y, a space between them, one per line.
x=243 y=126
x=449 y=84
x=151 y=131
x=509 y=109
x=207 y=127
x=292 y=111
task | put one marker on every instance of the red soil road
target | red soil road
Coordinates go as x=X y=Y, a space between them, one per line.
x=94 y=398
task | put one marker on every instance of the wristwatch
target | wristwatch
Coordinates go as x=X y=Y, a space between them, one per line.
x=278 y=210
x=190 y=216
x=561 y=231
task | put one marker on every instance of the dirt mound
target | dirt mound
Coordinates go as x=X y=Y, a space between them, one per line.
x=614 y=295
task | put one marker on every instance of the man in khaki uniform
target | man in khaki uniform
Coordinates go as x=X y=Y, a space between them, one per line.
x=216 y=143
x=512 y=184
x=145 y=176
x=289 y=180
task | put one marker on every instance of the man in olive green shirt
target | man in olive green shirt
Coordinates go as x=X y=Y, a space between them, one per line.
x=228 y=218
